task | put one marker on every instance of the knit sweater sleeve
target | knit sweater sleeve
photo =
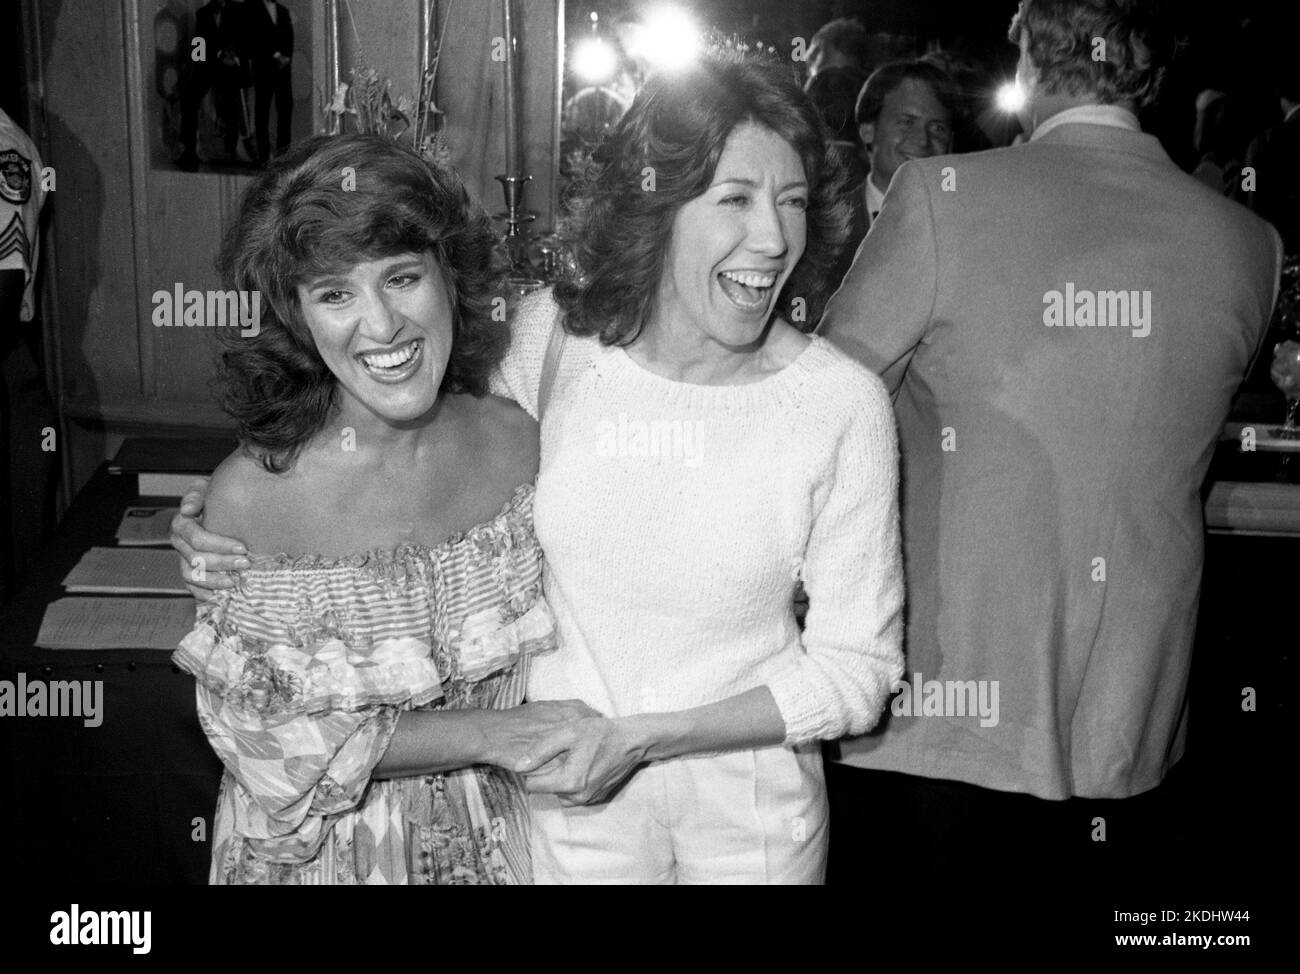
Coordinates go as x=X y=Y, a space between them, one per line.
x=520 y=370
x=852 y=571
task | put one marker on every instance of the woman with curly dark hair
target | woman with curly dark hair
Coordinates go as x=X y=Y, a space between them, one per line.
x=312 y=218
x=702 y=455
x=362 y=682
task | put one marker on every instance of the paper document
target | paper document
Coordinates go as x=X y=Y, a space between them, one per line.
x=116 y=623
x=146 y=526
x=128 y=571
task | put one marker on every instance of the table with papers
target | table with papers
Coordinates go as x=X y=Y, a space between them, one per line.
x=128 y=798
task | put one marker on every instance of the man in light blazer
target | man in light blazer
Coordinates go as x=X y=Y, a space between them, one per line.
x=1063 y=325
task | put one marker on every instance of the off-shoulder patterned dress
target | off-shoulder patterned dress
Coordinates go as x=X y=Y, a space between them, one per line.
x=302 y=673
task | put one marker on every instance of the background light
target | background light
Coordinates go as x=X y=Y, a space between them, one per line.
x=1011 y=97
x=594 y=61
x=670 y=38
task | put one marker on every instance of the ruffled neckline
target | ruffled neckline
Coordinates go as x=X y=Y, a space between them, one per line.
x=403 y=553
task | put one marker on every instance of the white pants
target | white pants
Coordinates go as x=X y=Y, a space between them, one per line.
x=742 y=817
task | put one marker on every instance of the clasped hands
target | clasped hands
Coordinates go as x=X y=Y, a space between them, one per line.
x=567 y=749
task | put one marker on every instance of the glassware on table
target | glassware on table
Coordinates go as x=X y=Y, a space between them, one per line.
x=1285 y=373
x=1285 y=369
x=554 y=257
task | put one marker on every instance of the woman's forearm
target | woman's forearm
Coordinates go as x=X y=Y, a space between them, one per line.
x=747 y=720
x=434 y=741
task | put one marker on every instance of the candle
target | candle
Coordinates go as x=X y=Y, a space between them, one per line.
x=512 y=113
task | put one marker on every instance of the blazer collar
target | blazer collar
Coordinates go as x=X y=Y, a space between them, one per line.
x=1104 y=137
x=1089 y=114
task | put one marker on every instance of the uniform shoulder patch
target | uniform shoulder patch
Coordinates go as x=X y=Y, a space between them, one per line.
x=15 y=177
x=13 y=240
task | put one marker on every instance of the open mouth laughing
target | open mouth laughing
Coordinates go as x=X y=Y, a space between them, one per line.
x=748 y=290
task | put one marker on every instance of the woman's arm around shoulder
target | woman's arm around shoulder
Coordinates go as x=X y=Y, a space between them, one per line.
x=519 y=373
x=232 y=500
x=213 y=517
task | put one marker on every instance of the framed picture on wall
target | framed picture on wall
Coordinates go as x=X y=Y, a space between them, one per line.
x=228 y=84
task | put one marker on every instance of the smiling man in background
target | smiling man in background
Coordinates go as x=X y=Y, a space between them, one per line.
x=906 y=110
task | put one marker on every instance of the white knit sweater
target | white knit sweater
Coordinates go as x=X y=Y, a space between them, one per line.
x=676 y=519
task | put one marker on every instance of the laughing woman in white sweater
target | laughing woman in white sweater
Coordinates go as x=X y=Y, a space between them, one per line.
x=700 y=457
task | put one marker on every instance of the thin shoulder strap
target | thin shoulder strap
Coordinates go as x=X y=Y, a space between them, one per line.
x=550 y=365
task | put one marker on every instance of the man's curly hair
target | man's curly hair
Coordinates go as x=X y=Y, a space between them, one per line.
x=330 y=203
x=675 y=133
x=1063 y=34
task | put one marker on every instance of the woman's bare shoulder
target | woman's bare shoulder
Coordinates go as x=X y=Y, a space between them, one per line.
x=510 y=438
x=239 y=497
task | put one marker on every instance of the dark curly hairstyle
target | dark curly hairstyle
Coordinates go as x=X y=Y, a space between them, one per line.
x=328 y=204
x=1061 y=36
x=678 y=126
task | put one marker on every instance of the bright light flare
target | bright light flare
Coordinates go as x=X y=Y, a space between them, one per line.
x=1011 y=97
x=594 y=61
x=670 y=38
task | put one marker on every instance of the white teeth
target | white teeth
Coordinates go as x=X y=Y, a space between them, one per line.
x=750 y=278
x=390 y=360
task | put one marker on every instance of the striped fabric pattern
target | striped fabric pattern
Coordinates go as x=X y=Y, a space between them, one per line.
x=303 y=671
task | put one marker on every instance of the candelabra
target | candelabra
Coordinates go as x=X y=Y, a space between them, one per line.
x=521 y=278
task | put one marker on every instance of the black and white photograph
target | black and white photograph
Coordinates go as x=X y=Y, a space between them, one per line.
x=650 y=442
